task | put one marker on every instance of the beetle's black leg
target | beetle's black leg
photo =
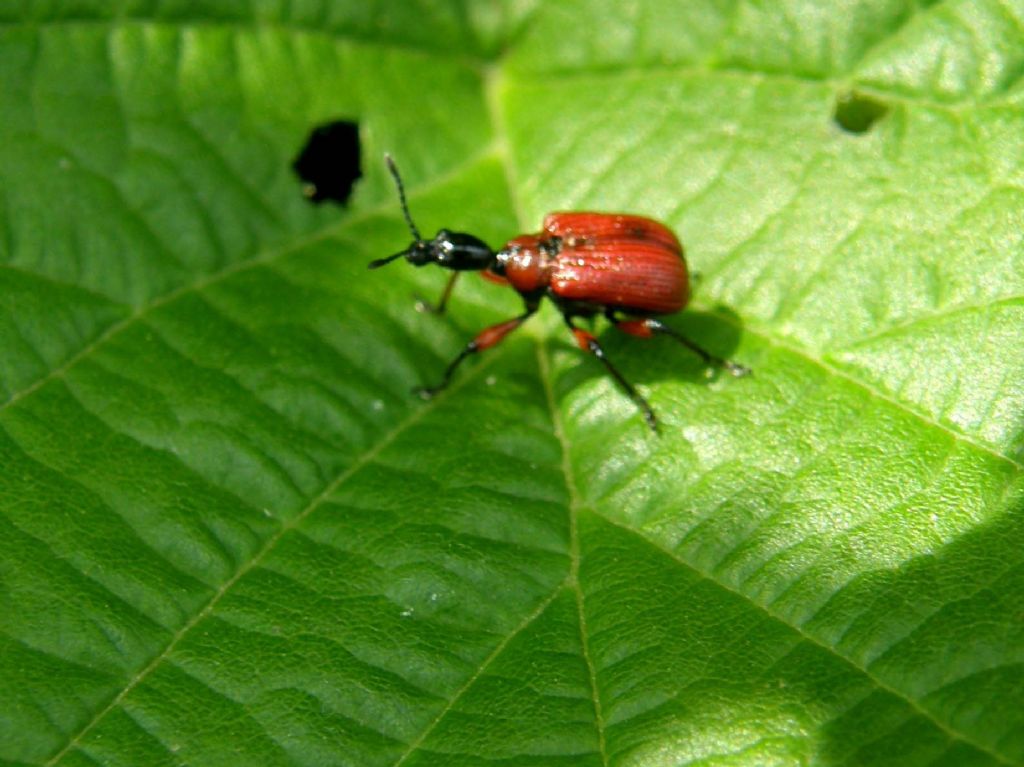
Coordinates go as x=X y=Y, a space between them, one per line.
x=422 y=305
x=485 y=339
x=588 y=343
x=646 y=327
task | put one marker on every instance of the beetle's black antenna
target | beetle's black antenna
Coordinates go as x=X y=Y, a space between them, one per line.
x=381 y=261
x=401 y=196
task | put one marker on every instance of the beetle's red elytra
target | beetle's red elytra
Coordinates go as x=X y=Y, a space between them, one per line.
x=629 y=268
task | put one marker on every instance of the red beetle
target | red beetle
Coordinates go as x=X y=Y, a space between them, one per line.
x=629 y=268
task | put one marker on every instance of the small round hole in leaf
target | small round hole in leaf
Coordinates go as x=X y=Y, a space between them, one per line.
x=329 y=163
x=856 y=113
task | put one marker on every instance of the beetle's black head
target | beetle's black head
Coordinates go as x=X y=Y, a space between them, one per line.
x=460 y=251
x=418 y=253
x=452 y=250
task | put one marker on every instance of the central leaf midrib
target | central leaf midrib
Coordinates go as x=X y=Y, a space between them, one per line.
x=574 y=507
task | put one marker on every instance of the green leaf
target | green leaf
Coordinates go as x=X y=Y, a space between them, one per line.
x=229 y=535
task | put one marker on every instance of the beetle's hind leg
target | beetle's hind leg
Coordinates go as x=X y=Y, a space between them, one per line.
x=588 y=343
x=645 y=328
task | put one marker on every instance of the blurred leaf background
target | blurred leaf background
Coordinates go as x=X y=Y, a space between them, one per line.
x=229 y=535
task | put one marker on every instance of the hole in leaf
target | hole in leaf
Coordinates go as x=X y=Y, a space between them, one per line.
x=328 y=164
x=856 y=113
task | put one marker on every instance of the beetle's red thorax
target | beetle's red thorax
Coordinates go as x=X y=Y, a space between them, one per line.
x=526 y=262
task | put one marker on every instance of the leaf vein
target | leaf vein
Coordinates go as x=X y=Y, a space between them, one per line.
x=315 y=503
x=812 y=640
x=206 y=280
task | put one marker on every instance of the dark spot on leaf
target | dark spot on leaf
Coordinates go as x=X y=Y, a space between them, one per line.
x=856 y=113
x=329 y=162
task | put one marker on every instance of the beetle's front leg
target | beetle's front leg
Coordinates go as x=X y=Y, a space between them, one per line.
x=485 y=339
x=422 y=305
